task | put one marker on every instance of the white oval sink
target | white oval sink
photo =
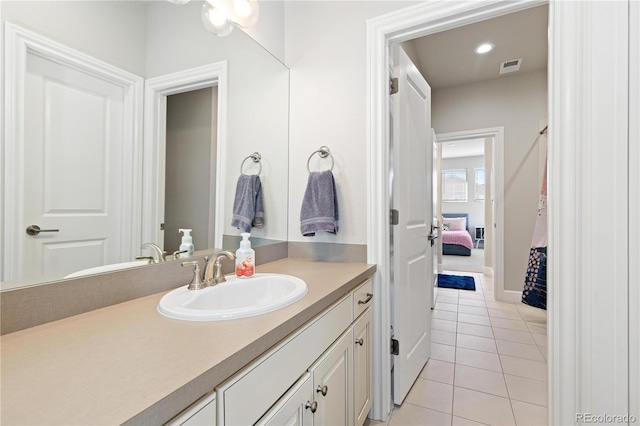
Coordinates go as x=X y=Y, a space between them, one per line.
x=235 y=298
x=108 y=268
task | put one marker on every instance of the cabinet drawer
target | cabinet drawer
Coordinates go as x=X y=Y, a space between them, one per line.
x=362 y=298
x=247 y=396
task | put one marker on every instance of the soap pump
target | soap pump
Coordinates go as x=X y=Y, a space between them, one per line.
x=187 y=242
x=245 y=258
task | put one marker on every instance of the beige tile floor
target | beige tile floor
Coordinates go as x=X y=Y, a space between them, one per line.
x=488 y=363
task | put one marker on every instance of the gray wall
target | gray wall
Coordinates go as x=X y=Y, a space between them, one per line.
x=515 y=102
x=191 y=147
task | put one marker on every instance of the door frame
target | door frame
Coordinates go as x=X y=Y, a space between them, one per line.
x=155 y=129
x=588 y=103
x=497 y=180
x=18 y=43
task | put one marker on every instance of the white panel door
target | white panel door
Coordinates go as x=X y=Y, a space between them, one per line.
x=412 y=252
x=72 y=169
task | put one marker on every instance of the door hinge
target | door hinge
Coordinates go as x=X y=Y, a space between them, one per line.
x=162 y=226
x=395 y=347
x=393 y=86
x=394 y=217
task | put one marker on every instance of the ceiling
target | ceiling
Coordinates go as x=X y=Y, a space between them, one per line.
x=463 y=148
x=448 y=59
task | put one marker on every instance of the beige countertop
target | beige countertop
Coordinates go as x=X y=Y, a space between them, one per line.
x=126 y=363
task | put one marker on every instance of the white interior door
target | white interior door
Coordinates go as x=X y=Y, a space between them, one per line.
x=73 y=175
x=436 y=226
x=412 y=252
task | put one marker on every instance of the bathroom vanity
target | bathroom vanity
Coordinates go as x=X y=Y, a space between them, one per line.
x=127 y=364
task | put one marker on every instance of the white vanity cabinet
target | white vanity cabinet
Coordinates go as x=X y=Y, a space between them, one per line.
x=201 y=413
x=332 y=383
x=362 y=367
x=295 y=408
x=320 y=375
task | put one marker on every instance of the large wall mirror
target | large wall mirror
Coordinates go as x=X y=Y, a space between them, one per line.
x=58 y=169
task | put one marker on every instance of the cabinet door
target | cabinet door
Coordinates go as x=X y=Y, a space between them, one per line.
x=294 y=408
x=362 y=358
x=202 y=413
x=332 y=383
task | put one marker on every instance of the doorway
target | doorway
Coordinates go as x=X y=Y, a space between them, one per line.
x=463 y=193
x=157 y=92
x=190 y=177
x=398 y=29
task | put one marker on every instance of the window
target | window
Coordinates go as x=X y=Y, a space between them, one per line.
x=479 y=191
x=454 y=185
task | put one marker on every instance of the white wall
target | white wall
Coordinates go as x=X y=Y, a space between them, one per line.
x=269 y=30
x=516 y=102
x=475 y=209
x=257 y=109
x=114 y=32
x=325 y=48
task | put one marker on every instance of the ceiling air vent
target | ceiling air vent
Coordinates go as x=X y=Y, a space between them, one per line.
x=510 y=66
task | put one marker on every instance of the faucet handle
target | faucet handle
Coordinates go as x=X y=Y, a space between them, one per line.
x=177 y=253
x=149 y=258
x=196 y=282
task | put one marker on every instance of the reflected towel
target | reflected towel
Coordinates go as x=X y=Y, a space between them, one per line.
x=320 y=205
x=248 y=207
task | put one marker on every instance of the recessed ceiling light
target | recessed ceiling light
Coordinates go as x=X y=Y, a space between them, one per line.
x=484 y=48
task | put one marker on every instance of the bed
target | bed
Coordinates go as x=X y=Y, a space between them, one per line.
x=456 y=239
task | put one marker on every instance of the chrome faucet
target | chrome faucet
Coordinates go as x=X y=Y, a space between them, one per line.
x=213 y=267
x=159 y=254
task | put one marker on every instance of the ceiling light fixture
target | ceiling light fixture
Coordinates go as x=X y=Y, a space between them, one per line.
x=484 y=48
x=220 y=16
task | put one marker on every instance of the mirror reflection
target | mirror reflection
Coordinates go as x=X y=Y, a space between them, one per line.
x=154 y=181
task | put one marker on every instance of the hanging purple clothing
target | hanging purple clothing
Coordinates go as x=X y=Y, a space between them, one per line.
x=535 y=281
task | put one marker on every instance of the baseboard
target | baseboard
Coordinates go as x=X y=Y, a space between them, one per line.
x=488 y=271
x=511 y=296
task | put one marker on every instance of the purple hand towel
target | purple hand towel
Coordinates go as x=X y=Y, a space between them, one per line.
x=320 y=205
x=248 y=207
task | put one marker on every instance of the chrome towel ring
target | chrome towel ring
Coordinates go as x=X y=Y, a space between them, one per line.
x=256 y=157
x=323 y=152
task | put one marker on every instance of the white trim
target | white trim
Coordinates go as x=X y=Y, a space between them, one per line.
x=156 y=91
x=20 y=42
x=511 y=296
x=588 y=178
x=488 y=271
x=411 y=22
x=497 y=134
x=634 y=210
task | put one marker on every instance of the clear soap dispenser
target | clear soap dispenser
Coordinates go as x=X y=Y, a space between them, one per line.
x=187 y=242
x=245 y=258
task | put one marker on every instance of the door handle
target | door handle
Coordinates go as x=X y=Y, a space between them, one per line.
x=35 y=230
x=434 y=234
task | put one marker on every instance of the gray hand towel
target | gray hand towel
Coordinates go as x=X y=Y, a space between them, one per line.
x=320 y=205
x=248 y=207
